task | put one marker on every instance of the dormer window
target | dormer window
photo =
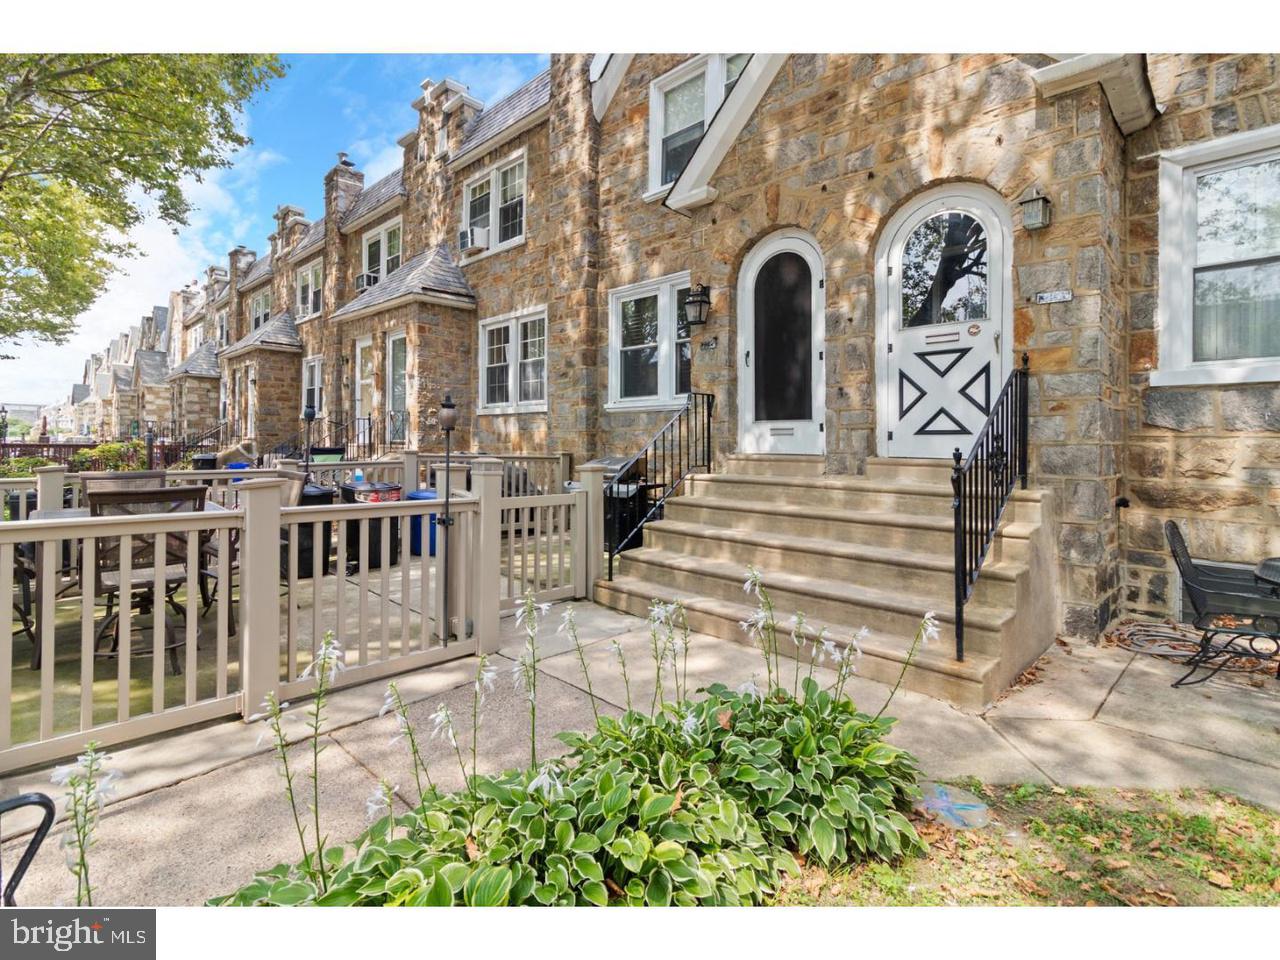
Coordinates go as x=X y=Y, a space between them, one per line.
x=382 y=250
x=681 y=105
x=310 y=282
x=260 y=308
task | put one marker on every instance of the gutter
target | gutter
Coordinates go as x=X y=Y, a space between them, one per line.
x=435 y=299
x=1123 y=77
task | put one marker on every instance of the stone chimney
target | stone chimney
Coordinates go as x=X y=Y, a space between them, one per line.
x=342 y=185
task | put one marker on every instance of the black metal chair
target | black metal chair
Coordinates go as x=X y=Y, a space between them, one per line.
x=1237 y=617
x=33 y=845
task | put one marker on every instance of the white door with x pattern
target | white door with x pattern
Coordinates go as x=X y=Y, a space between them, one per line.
x=943 y=285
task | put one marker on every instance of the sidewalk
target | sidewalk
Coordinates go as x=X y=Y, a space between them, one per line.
x=198 y=812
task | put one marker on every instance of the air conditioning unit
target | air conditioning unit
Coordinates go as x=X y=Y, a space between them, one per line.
x=474 y=239
x=366 y=280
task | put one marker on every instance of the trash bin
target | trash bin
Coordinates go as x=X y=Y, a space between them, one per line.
x=625 y=502
x=415 y=525
x=367 y=491
x=313 y=495
x=204 y=461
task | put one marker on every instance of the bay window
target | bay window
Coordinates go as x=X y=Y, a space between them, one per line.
x=1219 y=294
x=513 y=362
x=681 y=105
x=650 y=352
x=310 y=282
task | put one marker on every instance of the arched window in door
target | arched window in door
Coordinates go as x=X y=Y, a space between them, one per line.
x=944 y=271
x=783 y=339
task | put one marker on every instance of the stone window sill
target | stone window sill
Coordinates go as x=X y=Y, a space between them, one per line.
x=1224 y=374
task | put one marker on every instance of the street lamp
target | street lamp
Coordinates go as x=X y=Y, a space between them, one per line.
x=4 y=424
x=448 y=417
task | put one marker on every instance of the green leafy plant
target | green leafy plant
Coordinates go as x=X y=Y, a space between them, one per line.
x=22 y=466
x=88 y=782
x=112 y=455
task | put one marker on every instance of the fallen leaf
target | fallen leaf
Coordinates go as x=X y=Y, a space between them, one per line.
x=723 y=718
x=1114 y=864
x=473 y=852
x=1155 y=844
x=1275 y=884
x=1073 y=875
x=679 y=796
x=1091 y=841
x=1218 y=879
x=1058 y=790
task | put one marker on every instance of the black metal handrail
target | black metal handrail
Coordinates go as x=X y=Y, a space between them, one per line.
x=982 y=483
x=638 y=491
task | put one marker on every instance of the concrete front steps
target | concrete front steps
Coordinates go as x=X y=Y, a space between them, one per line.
x=870 y=551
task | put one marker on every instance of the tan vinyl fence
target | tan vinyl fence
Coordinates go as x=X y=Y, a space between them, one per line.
x=246 y=590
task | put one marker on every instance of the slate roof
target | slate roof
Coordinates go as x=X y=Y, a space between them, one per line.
x=203 y=362
x=279 y=331
x=375 y=195
x=261 y=268
x=102 y=385
x=79 y=391
x=152 y=366
x=432 y=271
x=122 y=373
x=314 y=237
x=510 y=109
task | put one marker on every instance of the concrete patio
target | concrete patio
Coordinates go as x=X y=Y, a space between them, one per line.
x=198 y=812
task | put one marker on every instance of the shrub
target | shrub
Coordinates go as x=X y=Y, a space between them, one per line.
x=112 y=455
x=22 y=466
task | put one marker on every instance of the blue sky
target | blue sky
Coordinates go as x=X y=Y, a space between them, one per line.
x=326 y=103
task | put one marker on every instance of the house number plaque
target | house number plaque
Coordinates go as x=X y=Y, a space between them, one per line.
x=1054 y=296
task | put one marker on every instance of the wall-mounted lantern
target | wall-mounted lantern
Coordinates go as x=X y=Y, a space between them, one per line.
x=1035 y=210
x=697 y=305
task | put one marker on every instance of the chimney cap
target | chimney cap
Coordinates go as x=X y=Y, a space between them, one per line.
x=343 y=161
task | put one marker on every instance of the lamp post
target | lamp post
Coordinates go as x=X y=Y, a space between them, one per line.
x=309 y=416
x=151 y=448
x=448 y=417
x=4 y=424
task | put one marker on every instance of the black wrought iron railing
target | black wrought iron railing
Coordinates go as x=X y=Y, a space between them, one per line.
x=637 y=492
x=982 y=483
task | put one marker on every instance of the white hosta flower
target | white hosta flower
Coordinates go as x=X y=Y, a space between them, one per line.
x=485 y=677
x=388 y=700
x=616 y=647
x=754 y=625
x=660 y=613
x=328 y=661
x=547 y=783
x=539 y=611
x=752 y=583
x=568 y=622
x=930 y=628
x=376 y=805
x=749 y=689
x=63 y=773
x=522 y=676
x=829 y=651
x=442 y=725
x=689 y=725
x=859 y=638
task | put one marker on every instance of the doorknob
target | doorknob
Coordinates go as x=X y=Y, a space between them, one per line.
x=748 y=358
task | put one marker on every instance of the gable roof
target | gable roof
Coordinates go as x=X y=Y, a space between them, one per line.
x=506 y=113
x=122 y=376
x=606 y=73
x=693 y=187
x=259 y=271
x=379 y=194
x=313 y=238
x=203 y=362
x=79 y=391
x=277 y=333
x=152 y=366
x=430 y=273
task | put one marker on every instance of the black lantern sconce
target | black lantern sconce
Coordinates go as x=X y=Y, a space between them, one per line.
x=697 y=305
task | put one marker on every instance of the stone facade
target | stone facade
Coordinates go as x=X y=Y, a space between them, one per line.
x=835 y=147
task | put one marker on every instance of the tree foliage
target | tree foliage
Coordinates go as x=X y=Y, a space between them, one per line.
x=85 y=141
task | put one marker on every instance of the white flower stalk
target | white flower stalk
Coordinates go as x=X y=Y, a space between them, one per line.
x=395 y=705
x=752 y=583
x=528 y=614
x=689 y=724
x=569 y=627
x=929 y=628
x=88 y=783
x=442 y=725
x=749 y=689
x=378 y=804
x=620 y=655
x=797 y=624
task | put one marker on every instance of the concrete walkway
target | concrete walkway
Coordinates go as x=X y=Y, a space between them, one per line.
x=198 y=812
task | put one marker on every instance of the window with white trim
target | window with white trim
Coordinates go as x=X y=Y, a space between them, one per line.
x=650 y=352
x=310 y=283
x=681 y=105
x=223 y=330
x=442 y=139
x=1219 y=300
x=260 y=308
x=382 y=249
x=502 y=186
x=313 y=384
x=513 y=363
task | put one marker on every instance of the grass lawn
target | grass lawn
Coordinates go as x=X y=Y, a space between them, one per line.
x=1050 y=846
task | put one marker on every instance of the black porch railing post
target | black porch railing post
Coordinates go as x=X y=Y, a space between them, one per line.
x=961 y=573
x=1023 y=379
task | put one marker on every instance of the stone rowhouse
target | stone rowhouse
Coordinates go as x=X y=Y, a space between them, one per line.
x=518 y=245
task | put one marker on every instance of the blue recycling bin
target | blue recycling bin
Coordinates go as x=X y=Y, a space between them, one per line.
x=415 y=524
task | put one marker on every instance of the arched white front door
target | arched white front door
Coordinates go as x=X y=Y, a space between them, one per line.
x=781 y=339
x=944 y=302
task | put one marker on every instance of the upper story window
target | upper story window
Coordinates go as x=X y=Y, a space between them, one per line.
x=310 y=281
x=650 y=352
x=224 y=331
x=501 y=186
x=260 y=308
x=1219 y=301
x=513 y=362
x=312 y=385
x=442 y=140
x=681 y=105
x=382 y=250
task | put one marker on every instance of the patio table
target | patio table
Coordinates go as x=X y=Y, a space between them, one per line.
x=69 y=514
x=1268 y=573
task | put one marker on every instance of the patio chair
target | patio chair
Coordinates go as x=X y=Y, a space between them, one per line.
x=24 y=574
x=96 y=481
x=146 y=552
x=1237 y=618
x=49 y=811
